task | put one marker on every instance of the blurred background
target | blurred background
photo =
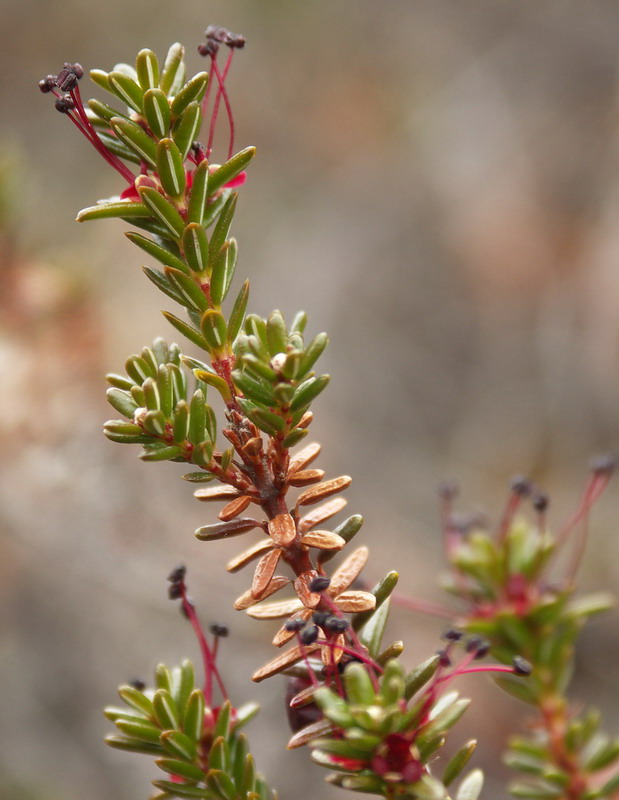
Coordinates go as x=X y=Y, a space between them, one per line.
x=438 y=186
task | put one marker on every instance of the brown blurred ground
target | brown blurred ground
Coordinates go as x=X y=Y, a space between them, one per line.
x=438 y=185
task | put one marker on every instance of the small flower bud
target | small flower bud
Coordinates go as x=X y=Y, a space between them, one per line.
x=178 y=574
x=319 y=617
x=197 y=148
x=219 y=629
x=444 y=660
x=452 y=635
x=309 y=635
x=447 y=490
x=209 y=48
x=521 y=485
x=478 y=646
x=295 y=624
x=47 y=83
x=63 y=105
x=319 y=584
x=335 y=625
x=604 y=464
x=137 y=684
x=540 y=501
x=521 y=666
x=216 y=33
x=66 y=80
x=234 y=40
x=175 y=590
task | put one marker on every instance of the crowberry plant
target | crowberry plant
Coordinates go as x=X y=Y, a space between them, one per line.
x=377 y=726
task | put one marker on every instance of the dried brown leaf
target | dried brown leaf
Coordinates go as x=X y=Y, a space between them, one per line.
x=306 y=476
x=253 y=447
x=234 y=508
x=221 y=530
x=283 y=635
x=317 y=493
x=313 y=731
x=282 y=530
x=333 y=654
x=354 y=601
x=304 y=457
x=301 y=587
x=324 y=540
x=321 y=514
x=247 y=599
x=283 y=661
x=219 y=492
x=303 y=697
x=348 y=571
x=275 y=610
x=306 y=420
x=265 y=570
x=244 y=558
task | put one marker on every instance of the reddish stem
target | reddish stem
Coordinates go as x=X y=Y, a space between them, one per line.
x=208 y=658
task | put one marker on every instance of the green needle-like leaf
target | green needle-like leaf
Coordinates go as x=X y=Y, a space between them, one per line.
x=126 y=89
x=230 y=169
x=196 y=247
x=170 y=167
x=122 y=209
x=186 y=129
x=135 y=138
x=147 y=69
x=193 y=90
x=199 y=193
x=157 y=112
x=163 y=210
x=172 y=73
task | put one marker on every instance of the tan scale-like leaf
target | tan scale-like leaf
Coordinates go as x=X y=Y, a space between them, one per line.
x=253 y=447
x=283 y=661
x=321 y=514
x=234 y=508
x=219 y=492
x=348 y=571
x=304 y=457
x=354 y=601
x=244 y=558
x=247 y=599
x=275 y=610
x=265 y=570
x=283 y=635
x=282 y=530
x=222 y=530
x=333 y=654
x=306 y=476
x=301 y=587
x=313 y=731
x=324 y=540
x=323 y=490
x=306 y=420
x=304 y=697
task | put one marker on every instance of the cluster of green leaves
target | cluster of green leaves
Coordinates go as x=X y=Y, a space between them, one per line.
x=520 y=612
x=384 y=727
x=163 y=419
x=592 y=751
x=179 y=197
x=384 y=740
x=275 y=374
x=201 y=747
x=516 y=609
